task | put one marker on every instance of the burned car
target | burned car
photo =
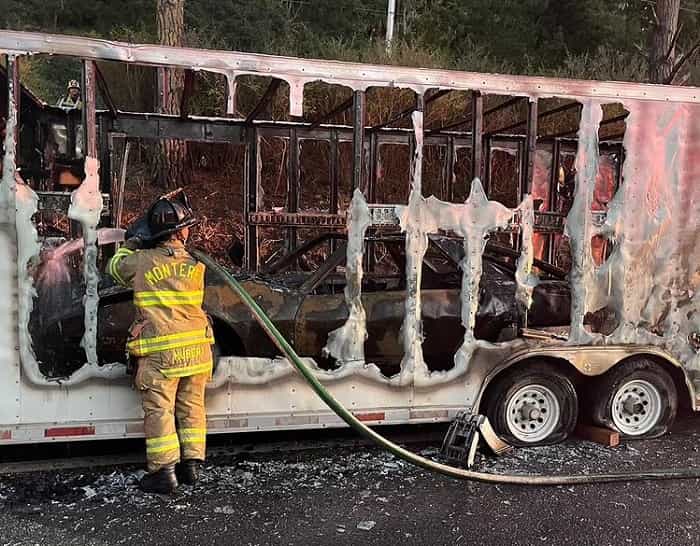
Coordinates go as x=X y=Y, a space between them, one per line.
x=306 y=302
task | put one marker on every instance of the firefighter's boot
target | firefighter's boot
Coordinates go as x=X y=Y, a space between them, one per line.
x=187 y=471
x=162 y=481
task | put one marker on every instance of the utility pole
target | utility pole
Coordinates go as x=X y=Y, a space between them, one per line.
x=390 y=16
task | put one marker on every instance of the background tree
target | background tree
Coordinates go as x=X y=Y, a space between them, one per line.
x=663 y=40
x=171 y=165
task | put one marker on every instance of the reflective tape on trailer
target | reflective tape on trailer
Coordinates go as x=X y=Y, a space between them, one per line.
x=65 y=432
x=375 y=416
x=218 y=424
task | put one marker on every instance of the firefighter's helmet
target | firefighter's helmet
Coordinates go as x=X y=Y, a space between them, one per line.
x=73 y=84
x=166 y=216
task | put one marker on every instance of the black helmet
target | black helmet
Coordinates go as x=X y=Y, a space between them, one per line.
x=166 y=216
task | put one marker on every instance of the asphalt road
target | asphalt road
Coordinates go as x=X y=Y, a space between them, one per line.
x=364 y=496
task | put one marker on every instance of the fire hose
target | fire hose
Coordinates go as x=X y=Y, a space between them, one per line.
x=408 y=456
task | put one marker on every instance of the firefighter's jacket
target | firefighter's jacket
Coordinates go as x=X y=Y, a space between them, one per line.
x=67 y=103
x=170 y=323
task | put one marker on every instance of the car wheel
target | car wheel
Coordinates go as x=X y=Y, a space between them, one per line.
x=636 y=398
x=534 y=405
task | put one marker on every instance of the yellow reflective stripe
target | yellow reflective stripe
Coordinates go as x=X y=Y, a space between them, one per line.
x=119 y=255
x=136 y=350
x=152 y=293
x=162 y=443
x=145 y=346
x=113 y=268
x=161 y=440
x=168 y=298
x=170 y=337
x=192 y=435
x=168 y=303
x=185 y=371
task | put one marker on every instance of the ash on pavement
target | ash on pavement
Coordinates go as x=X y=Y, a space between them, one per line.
x=366 y=496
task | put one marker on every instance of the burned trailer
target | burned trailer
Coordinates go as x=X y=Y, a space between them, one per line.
x=577 y=197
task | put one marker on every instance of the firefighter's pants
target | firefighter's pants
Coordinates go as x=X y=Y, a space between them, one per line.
x=165 y=400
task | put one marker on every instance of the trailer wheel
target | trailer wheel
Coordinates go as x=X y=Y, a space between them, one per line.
x=535 y=405
x=637 y=398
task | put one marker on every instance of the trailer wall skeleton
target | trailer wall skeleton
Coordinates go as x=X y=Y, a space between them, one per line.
x=648 y=282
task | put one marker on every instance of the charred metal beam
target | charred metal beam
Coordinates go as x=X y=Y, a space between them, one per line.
x=408 y=111
x=333 y=172
x=491 y=110
x=121 y=183
x=610 y=121
x=616 y=119
x=289 y=259
x=562 y=134
x=358 y=137
x=293 y=184
x=572 y=132
x=71 y=136
x=553 y=193
x=337 y=110
x=542 y=115
x=104 y=92
x=161 y=127
x=250 y=202
x=104 y=124
x=449 y=126
x=530 y=147
x=544 y=266
x=187 y=91
x=264 y=100
x=449 y=172
x=559 y=109
x=505 y=104
x=374 y=168
x=616 y=136
x=296 y=219
x=334 y=177
x=89 y=110
x=477 y=134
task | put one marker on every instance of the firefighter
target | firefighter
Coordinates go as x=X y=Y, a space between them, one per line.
x=170 y=341
x=72 y=98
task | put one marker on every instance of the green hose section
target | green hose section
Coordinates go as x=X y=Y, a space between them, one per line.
x=408 y=456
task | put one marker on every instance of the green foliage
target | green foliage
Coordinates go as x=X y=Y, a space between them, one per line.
x=570 y=38
x=95 y=17
x=47 y=76
x=605 y=63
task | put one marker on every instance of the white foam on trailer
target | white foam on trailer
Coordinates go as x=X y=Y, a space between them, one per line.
x=650 y=281
x=579 y=222
x=86 y=208
x=347 y=343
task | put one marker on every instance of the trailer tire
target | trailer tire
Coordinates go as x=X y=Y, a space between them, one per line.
x=533 y=405
x=636 y=398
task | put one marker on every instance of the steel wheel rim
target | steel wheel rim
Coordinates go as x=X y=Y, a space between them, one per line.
x=636 y=407
x=532 y=413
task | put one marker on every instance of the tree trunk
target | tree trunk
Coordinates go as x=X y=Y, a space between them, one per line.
x=662 y=53
x=171 y=163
